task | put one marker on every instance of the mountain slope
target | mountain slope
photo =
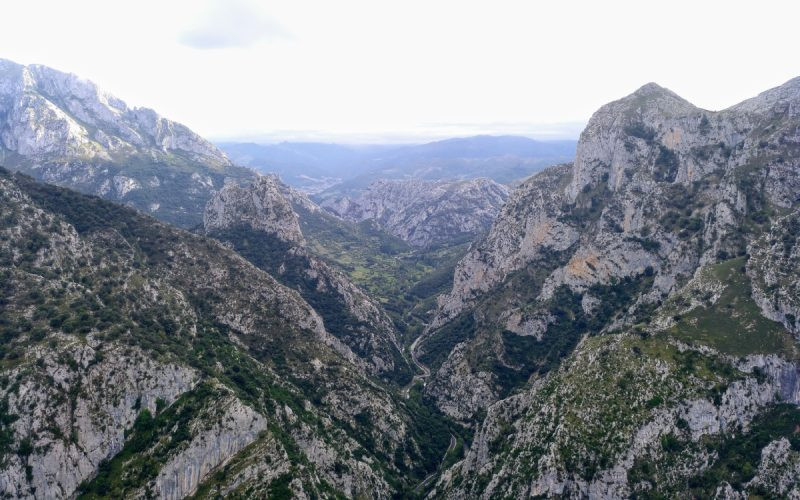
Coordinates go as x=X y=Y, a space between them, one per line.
x=141 y=360
x=62 y=129
x=630 y=307
x=260 y=222
x=425 y=213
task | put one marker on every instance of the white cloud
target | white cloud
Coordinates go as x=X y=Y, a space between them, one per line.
x=232 y=23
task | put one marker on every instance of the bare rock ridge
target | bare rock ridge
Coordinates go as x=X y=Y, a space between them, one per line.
x=65 y=130
x=261 y=222
x=47 y=112
x=673 y=235
x=425 y=213
x=649 y=144
x=260 y=206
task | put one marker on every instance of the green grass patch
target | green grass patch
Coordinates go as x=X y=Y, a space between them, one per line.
x=733 y=324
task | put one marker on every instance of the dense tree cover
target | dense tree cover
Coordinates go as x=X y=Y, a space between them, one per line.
x=525 y=355
x=666 y=164
x=433 y=431
x=439 y=346
x=640 y=131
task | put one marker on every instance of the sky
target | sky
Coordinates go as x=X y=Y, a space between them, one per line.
x=397 y=71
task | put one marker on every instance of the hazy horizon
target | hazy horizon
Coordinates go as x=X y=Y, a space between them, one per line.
x=364 y=72
x=537 y=132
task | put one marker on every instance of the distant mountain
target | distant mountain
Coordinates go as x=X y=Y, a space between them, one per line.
x=483 y=146
x=314 y=167
x=425 y=213
x=309 y=166
x=62 y=129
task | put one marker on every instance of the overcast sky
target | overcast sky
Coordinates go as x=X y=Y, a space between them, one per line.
x=376 y=70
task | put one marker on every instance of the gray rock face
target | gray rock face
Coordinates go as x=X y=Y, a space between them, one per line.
x=425 y=213
x=657 y=186
x=529 y=443
x=779 y=470
x=664 y=194
x=526 y=224
x=47 y=113
x=223 y=430
x=126 y=334
x=774 y=266
x=97 y=419
x=62 y=129
x=260 y=206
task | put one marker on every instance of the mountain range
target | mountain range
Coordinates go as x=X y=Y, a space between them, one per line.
x=624 y=328
x=340 y=169
x=622 y=324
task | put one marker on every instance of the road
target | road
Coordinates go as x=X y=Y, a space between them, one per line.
x=426 y=372
x=424 y=369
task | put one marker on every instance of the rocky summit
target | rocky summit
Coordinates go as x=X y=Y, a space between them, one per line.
x=64 y=130
x=627 y=326
x=260 y=221
x=624 y=325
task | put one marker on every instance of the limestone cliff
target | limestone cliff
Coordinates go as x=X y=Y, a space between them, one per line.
x=424 y=213
x=65 y=130
x=580 y=321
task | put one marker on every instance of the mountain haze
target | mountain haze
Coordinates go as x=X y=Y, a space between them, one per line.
x=344 y=170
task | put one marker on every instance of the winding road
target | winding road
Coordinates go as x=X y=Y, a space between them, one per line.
x=426 y=372
x=424 y=369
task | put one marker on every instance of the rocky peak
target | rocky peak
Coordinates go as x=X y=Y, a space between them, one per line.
x=261 y=205
x=46 y=113
x=615 y=133
x=262 y=221
x=782 y=99
x=652 y=90
x=659 y=189
x=63 y=129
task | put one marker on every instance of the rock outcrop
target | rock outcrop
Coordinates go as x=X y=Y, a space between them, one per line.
x=261 y=221
x=774 y=267
x=425 y=213
x=658 y=188
x=142 y=360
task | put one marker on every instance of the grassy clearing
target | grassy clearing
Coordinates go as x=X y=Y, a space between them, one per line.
x=732 y=324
